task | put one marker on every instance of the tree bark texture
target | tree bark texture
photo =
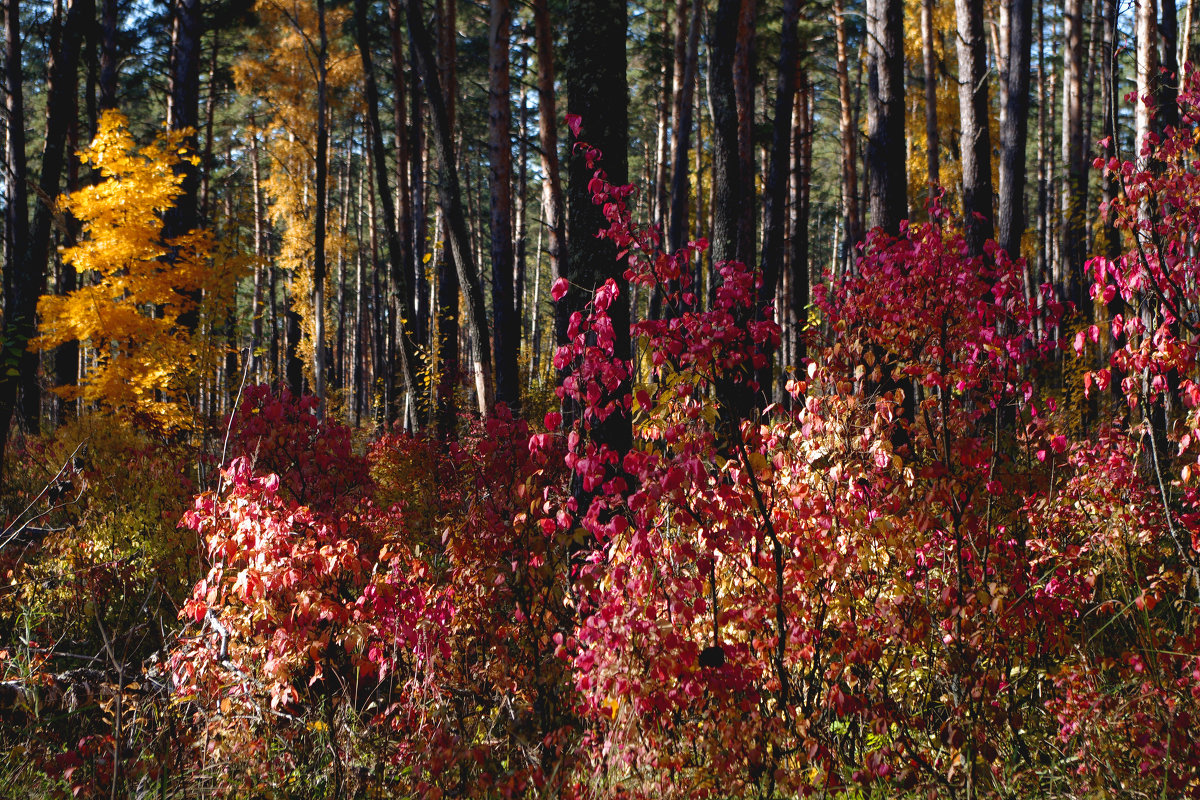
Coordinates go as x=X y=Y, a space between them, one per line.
x=888 y=179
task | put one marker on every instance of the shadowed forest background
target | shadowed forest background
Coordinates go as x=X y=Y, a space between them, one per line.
x=584 y=399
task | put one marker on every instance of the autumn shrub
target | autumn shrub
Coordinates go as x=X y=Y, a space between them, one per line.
x=94 y=565
x=411 y=618
x=912 y=579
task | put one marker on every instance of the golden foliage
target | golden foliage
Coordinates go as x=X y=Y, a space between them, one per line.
x=136 y=285
x=280 y=70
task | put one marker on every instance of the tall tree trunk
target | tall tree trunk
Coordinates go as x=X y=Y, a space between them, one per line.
x=1168 y=77
x=552 y=192
x=418 y=226
x=684 y=103
x=1187 y=53
x=802 y=145
x=885 y=113
x=210 y=109
x=320 y=202
x=260 y=252
x=776 y=187
x=520 y=248
x=848 y=134
x=1042 y=177
x=183 y=112
x=933 y=169
x=506 y=331
x=976 y=147
x=66 y=357
x=1015 y=131
x=108 y=55
x=1073 y=243
x=1109 y=240
x=25 y=279
x=407 y=195
x=451 y=198
x=743 y=89
x=20 y=282
x=670 y=73
x=597 y=91
x=1147 y=73
x=727 y=180
x=398 y=255
x=447 y=285
x=357 y=362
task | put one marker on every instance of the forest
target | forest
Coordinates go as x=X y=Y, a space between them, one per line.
x=592 y=399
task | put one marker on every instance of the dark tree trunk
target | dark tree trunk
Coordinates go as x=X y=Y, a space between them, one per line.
x=521 y=234
x=183 y=110
x=597 y=91
x=1015 y=131
x=933 y=169
x=1073 y=243
x=681 y=125
x=727 y=179
x=1168 y=78
x=452 y=206
x=28 y=248
x=448 y=288
x=409 y=194
x=976 y=147
x=183 y=113
x=775 y=191
x=743 y=88
x=802 y=146
x=108 y=55
x=66 y=357
x=552 y=192
x=888 y=178
x=847 y=129
x=398 y=255
x=321 y=201
x=506 y=331
x=670 y=72
x=210 y=109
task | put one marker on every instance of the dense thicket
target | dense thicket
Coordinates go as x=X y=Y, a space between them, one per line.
x=706 y=398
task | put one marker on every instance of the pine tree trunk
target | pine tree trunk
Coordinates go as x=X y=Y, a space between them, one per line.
x=409 y=194
x=506 y=331
x=975 y=148
x=1014 y=133
x=1168 y=78
x=1147 y=72
x=888 y=180
x=933 y=168
x=399 y=257
x=320 y=210
x=521 y=235
x=743 y=88
x=670 y=73
x=775 y=191
x=552 y=191
x=28 y=247
x=183 y=111
x=1073 y=244
x=597 y=91
x=727 y=179
x=687 y=32
x=802 y=145
x=108 y=55
x=451 y=198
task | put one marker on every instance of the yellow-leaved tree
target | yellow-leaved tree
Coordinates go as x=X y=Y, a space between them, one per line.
x=139 y=361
